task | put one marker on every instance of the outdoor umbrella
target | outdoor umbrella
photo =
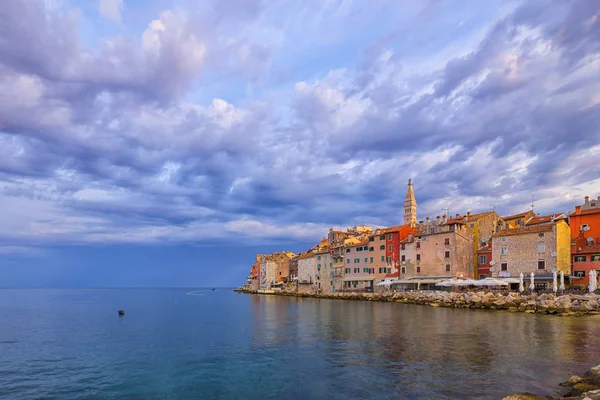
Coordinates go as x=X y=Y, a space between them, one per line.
x=521 y=284
x=593 y=283
x=532 y=286
x=562 y=280
x=490 y=282
x=385 y=283
x=554 y=285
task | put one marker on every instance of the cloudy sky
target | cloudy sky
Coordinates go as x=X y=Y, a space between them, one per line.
x=166 y=144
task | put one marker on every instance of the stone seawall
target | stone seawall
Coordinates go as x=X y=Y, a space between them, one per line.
x=568 y=304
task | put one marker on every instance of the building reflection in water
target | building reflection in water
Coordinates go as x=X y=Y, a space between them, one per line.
x=409 y=350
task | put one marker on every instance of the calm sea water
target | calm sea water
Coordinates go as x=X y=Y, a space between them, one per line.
x=172 y=344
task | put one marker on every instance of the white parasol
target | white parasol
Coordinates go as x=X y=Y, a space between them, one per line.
x=532 y=279
x=554 y=285
x=562 y=280
x=521 y=284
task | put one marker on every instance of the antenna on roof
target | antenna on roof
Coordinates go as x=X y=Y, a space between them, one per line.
x=446 y=211
x=532 y=203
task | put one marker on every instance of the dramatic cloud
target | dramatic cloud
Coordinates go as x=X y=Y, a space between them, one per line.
x=273 y=120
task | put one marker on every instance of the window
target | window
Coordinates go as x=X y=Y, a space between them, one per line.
x=347 y=250
x=389 y=236
x=472 y=225
x=579 y=274
x=593 y=204
x=447 y=254
x=541 y=264
x=419 y=269
x=596 y=257
x=503 y=238
x=518 y=222
x=403 y=257
x=447 y=267
x=482 y=276
x=359 y=248
x=389 y=270
x=584 y=227
x=356 y=270
x=382 y=247
x=382 y=258
x=504 y=250
x=403 y=270
x=483 y=259
x=403 y=247
x=366 y=259
x=447 y=241
x=541 y=234
x=347 y=261
x=580 y=258
x=366 y=270
x=371 y=248
x=541 y=247
x=418 y=245
x=389 y=259
x=382 y=237
x=319 y=266
x=279 y=273
x=504 y=267
x=330 y=264
x=371 y=260
x=382 y=270
x=418 y=257
x=389 y=247
x=371 y=238
x=318 y=257
x=347 y=270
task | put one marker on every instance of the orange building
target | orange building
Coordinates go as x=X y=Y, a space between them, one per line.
x=586 y=219
x=586 y=257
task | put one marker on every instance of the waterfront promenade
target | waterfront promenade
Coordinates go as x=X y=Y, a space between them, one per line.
x=563 y=305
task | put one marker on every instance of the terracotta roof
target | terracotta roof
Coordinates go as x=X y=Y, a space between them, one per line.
x=526 y=230
x=516 y=215
x=455 y=221
x=479 y=215
x=392 y=229
x=322 y=250
x=587 y=249
x=542 y=219
x=586 y=212
x=303 y=256
x=358 y=244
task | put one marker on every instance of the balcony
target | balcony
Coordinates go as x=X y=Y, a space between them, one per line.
x=337 y=273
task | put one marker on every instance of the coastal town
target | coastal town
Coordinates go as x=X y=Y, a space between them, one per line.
x=422 y=255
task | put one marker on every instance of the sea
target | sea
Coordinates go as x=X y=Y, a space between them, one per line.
x=186 y=343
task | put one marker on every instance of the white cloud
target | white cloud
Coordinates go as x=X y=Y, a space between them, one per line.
x=111 y=9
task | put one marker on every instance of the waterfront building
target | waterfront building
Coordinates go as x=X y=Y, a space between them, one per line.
x=338 y=240
x=358 y=273
x=585 y=258
x=484 y=257
x=283 y=266
x=539 y=248
x=307 y=271
x=268 y=272
x=377 y=255
x=324 y=276
x=294 y=269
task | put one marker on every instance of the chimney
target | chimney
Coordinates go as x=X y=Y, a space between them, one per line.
x=457 y=215
x=577 y=209
x=444 y=219
x=428 y=219
x=468 y=213
x=587 y=200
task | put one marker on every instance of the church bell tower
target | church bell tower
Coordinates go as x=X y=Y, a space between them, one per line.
x=410 y=206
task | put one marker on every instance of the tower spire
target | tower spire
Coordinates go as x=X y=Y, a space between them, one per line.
x=410 y=206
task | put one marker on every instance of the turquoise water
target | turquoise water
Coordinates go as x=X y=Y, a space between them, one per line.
x=71 y=344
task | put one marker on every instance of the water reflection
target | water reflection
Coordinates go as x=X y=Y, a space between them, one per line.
x=389 y=350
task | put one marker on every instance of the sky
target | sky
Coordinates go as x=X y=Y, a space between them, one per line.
x=164 y=143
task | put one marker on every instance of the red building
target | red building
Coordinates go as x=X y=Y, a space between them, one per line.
x=484 y=256
x=393 y=236
x=585 y=257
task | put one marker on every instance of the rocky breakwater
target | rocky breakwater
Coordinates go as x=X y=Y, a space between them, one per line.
x=515 y=302
x=510 y=301
x=586 y=387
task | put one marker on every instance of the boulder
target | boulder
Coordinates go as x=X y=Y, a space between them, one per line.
x=524 y=396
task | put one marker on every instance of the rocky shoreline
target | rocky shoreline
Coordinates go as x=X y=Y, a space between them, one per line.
x=586 y=387
x=565 y=305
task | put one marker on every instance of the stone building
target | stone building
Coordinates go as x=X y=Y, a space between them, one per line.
x=377 y=255
x=283 y=266
x=294 y=268
x=268 y=272
x=539 y=249
x=324 y=277
x=445 y=250
x=307 y=271
x=484 y=257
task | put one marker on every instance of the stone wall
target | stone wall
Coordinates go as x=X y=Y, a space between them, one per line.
x=523 y=253
x=574 y=305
